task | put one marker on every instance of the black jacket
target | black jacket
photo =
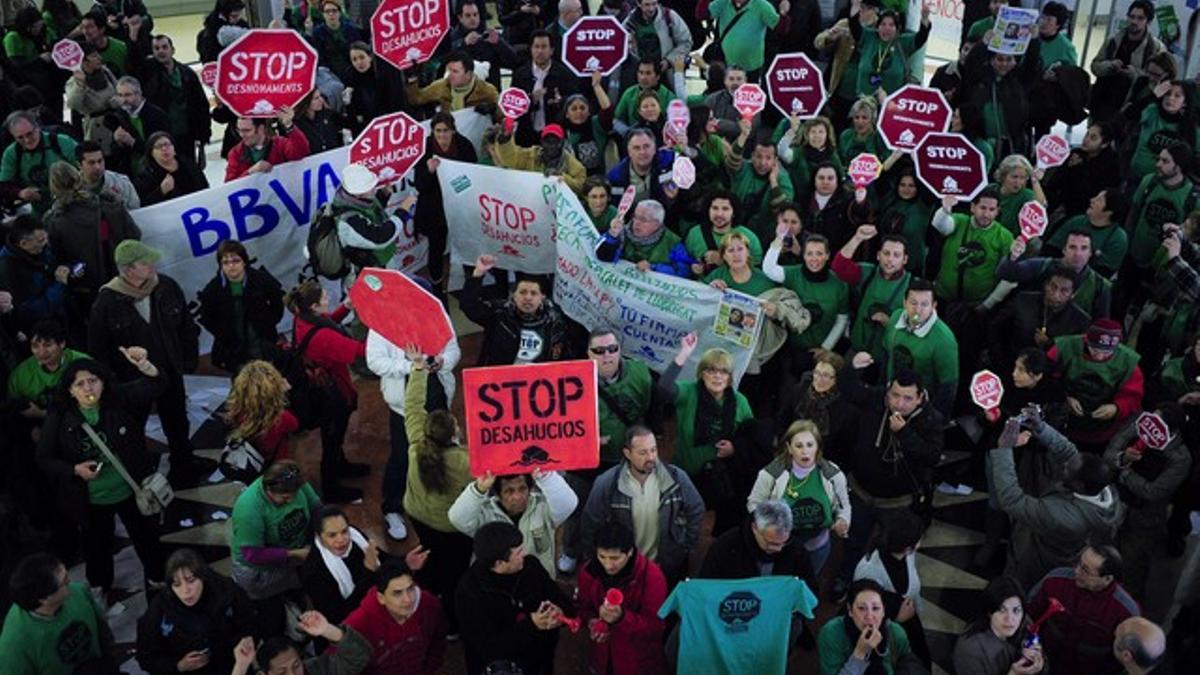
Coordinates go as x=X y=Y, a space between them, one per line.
x=323 y=131
x=558 y=85
x=493 y=615
x=64 y=443
x=75 y=237
x=322 y=589
x=171 y=336
x=736 y=555
x=1009 y=92
x=169 y=629
x=188 y=179
x=260 y=307
x=887 y=464
x=156 y=85
x=502 y=326
x=1014 y=325
x=37 y=295
x=125 y=159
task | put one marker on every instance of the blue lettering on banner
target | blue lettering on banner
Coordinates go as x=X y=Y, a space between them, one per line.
x=205 y=232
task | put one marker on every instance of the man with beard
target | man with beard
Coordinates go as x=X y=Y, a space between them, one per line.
x=98 y=179
x=1103 y=381
x=523 y=328
x=548 y=157
x=1092 y=292
x=136 y=120
x=1037 y=318
x=1162 y=197
x=654 y=500
x=1123 y=59
x=879 y=288
x=703 y=241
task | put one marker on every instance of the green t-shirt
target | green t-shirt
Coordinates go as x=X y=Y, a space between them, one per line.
x=1010 y=207
x=31 y=168
x=697 y=246
x=758 y=284
x=65 y=644
x=258 y=522
x=850 y=145
x=1109 y=244
x=115 y=55
x=969 y=259
x=745 y=41
x=108 y=487
x=755 y=195
x=30 y=382
x=605 y=219
x=738 y=626
x=888 y=61
x=19 y=48
x=933 y=356
x=627 y=108
x=875 y=294
x=980 y=27
x=632 y=393
x=1059 y=51
x=1154 y=134
x=812 y=511
x=824 y=300
x=1155 y=205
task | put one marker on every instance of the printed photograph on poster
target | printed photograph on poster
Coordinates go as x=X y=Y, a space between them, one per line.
x=738 y=317
x=1015 y=26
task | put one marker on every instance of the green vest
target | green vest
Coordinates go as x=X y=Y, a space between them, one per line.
x=1156 y=205
x=1093 y=383
x=824 y=300
x=631 y=393
x=877 y=295
x=658 y=252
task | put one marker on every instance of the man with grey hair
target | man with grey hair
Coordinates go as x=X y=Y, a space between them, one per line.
x=25 y=164
x=1139 y=645
x=645 y=167
x=762 y=546
x=141 y=308
x=569 y=11
x=647 y=243
x=131 y=124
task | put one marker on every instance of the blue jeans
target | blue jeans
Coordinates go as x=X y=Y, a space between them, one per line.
x=819 y=556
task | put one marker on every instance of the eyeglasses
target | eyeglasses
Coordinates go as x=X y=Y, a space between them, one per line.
x=605 y=349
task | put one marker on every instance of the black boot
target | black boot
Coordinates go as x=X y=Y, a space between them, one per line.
x=995 y=530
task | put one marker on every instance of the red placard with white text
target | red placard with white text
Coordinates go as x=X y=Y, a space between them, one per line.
x=390 y=146
x=986 y=390
x=67 y=54
x=407 y=32
x=513 y=103
x=265 y=70
x=1032 y=219
x=749 y=99
x=532 y=416
x=1052 y=151
x=1152 y=431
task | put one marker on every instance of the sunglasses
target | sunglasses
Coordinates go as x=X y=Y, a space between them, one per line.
x=607 y=349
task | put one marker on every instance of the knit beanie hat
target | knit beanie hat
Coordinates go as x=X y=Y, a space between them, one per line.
x=1104 y=335
x=494 y=541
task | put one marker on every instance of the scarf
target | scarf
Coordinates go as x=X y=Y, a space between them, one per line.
x=123 y=287
x=875 y=658
x=458 y=95
x=814 y=405
x=818 y=277
x=648 y=240
x=714 y=421
x=336 y=564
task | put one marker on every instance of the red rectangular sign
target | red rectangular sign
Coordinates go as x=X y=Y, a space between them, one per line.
x=525 y=417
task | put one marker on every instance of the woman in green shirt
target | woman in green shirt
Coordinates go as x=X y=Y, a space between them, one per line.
x=735 y=273
x=906 y=211
x=863 y=639
x=1172 y=118
x=91 y=491
x=802 y=148
x=600 y=210
x=826 y=297
x=883 y=52
x=1013 y=177
x=861 y=135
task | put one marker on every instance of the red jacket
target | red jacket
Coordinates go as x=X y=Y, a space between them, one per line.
x=334 y=352
x=415 y=647
x=634 y=645
x=1080 y=639
x=280 y=149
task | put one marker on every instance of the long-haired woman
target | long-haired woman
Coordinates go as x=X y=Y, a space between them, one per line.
x=257 y=410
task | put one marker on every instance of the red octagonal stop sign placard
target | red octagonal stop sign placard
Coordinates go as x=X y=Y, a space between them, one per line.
x=265 y=70
x=67 y=54
x=514 y=102
x=404 y=32
x=910 y=113
x=1032 y=220
x=749 y=99
x=950 y=166
x=397 y=308
x=390 y=146
x=986 y=389
x=1153 y=431
x=1052 y=151
x=796 y=85
x=595 y=43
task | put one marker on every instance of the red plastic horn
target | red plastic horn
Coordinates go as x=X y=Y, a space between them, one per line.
x=1054 y=607
x=614 y=596
x=571 y=623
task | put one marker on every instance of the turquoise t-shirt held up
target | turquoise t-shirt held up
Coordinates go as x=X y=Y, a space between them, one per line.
x=736 y=626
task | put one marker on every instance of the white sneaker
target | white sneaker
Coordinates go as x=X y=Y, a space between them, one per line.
x=395 y=526
x=566 y=564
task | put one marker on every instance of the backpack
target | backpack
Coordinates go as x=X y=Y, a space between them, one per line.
x=241 y=461
x=325 y=254
x=310 y=383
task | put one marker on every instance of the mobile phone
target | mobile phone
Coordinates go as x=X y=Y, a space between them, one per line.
x=99 y=465
x=77 y=269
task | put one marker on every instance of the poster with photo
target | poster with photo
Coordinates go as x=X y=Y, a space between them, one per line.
x=1015 y=27
x=738 y=318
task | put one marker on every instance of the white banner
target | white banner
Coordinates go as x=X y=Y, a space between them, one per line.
x=650 y=312
x=270 y=214
x=500 y=212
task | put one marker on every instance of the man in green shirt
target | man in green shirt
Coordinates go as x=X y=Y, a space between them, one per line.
x=984 y=26
x=113 y=52
x=974 y=246
x=1092 y=292
x=762 y=186
x=25 y=164
x=1057 y=48
x=32 y=383
x=743 y=39
x=625 y=114
x=53 y=627
x=1164 y=197
x=879 y=288
x=1102 y=221
x=703 y=241
x=916 y=339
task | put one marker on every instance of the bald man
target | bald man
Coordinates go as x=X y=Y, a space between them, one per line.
x=1139 y=645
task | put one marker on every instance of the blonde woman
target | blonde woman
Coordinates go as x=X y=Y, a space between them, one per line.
x=805 y=146
x=1018 y=184
x=257 y=410
x=811 y=485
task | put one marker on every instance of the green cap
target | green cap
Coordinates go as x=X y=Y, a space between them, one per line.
x=132 y=252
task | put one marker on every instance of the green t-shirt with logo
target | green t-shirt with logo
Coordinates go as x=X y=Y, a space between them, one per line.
x=824 y=300
x=109 y=487
x=933 y=356
x=1109 y=244
x=969 y=258
x=1155 y=205
x=258 y=522
x=68 y=642
x=812 y=511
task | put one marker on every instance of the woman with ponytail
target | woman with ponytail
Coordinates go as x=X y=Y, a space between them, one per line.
x=438 y=470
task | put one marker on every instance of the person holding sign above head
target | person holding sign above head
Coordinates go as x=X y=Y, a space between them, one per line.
x=998 y=85
x=760 y=186
x=620 y=592
x=825 y=296
x=548 y=157
x=526 y=327
x=262 y=147
x=509 y=606
x=880 y=288
x=536 y=504
x=1093 y=292
x=647 y=243
x=883 y=52
x=655 y=501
